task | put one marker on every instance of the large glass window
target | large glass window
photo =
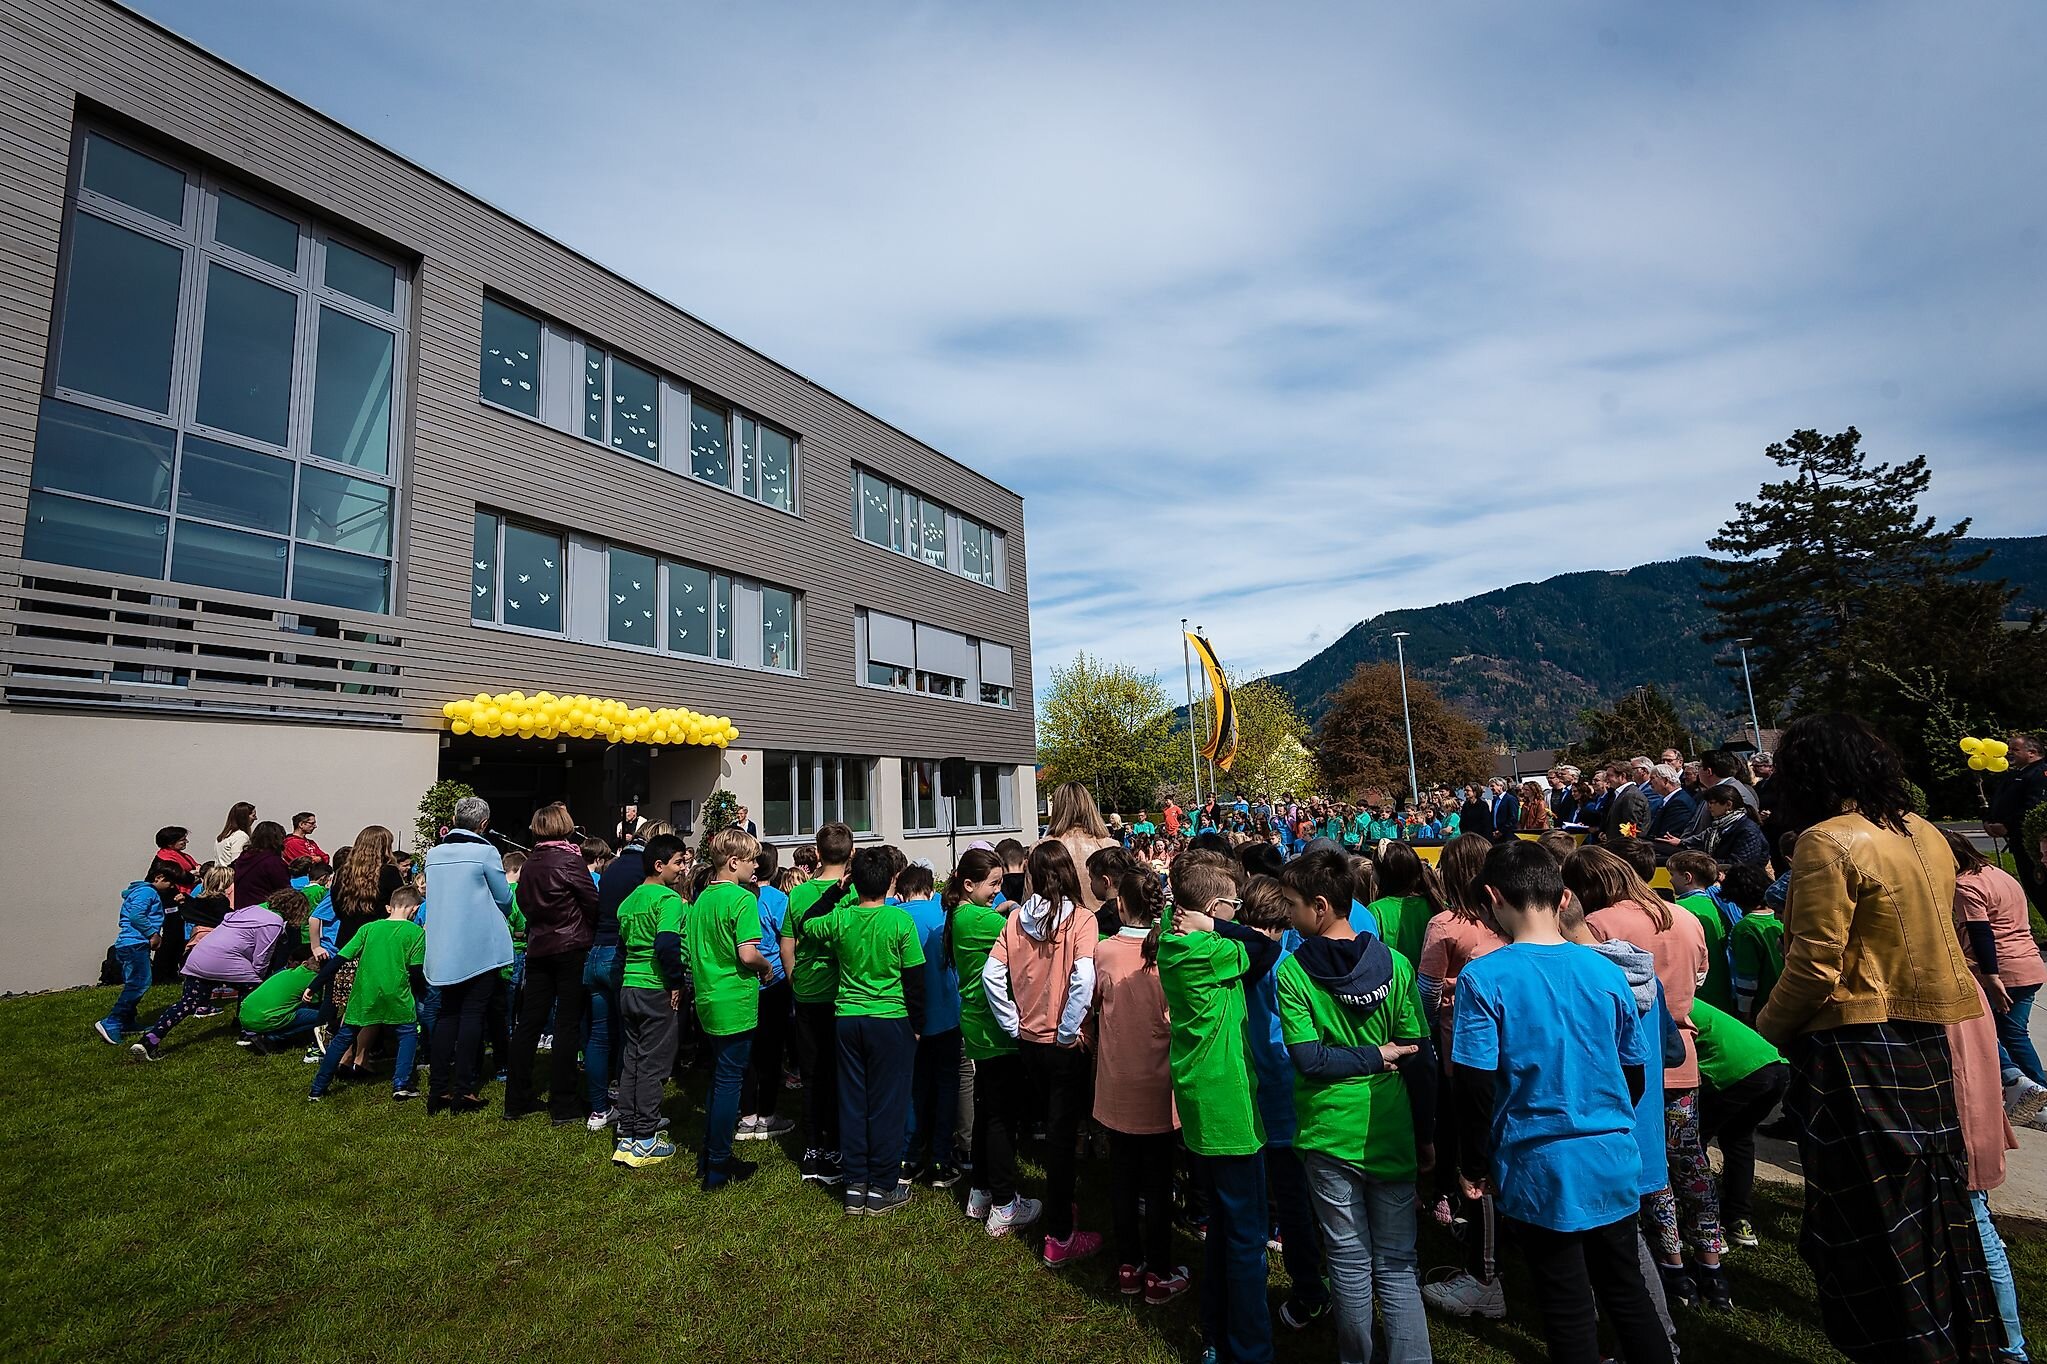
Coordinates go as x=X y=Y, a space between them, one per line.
x=699 y=609
x=120 y=317
x=511 y=359
x=635 y=410
x=629 y=616
x=802 y=791
x=898 y=519
x=268 y=396
x=767 y=463
x=352 y=393
x=710 y=457
x=127 y=176
x=516 y=574
x=979 y=793
x=778 y=629
x=245 y=358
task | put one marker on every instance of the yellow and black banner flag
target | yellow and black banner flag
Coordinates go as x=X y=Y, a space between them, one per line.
x=1221 y=745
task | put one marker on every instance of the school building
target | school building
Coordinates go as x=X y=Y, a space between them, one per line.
x=300 y=443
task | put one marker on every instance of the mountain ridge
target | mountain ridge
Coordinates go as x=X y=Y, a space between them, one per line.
x=1523 y=660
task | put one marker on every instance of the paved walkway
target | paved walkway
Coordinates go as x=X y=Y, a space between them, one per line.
x=2024 y=1193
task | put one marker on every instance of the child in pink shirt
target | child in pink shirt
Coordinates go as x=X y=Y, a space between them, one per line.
x=1134 y=1091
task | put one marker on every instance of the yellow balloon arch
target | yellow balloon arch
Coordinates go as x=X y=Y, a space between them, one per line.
x=515 y=715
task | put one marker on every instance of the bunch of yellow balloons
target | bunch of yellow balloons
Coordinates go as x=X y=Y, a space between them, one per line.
x=1987 y=755
x=513 y=714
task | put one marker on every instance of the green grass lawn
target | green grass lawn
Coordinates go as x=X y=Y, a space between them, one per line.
x=200 y=1209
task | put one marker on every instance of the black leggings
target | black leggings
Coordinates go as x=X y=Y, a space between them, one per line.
x=1141 y=1168
x=817 y=1058
x=457 y=1046
x=1057 y=1075
x=998 y=1082
x=1732 y=1115
x=552 y=982
x=763 y=1084
x=197 y=994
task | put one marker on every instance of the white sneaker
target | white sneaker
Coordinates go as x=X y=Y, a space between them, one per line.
x=599 y=1121
x=1462 y=1295
x=2023 y=1100
x=749 y=1129
x=979 y=1201
x=1020 y=1212
x=546 y=1042
x=322 y=1035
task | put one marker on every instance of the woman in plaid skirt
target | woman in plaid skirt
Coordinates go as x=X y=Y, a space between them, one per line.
x=1872 y=974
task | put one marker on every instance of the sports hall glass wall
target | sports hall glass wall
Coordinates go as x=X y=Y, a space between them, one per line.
x=223 y=395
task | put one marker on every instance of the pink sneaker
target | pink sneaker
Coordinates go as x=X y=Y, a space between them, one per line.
x=1158 y=1291
x=1078 y=1246
x=1130 y=1280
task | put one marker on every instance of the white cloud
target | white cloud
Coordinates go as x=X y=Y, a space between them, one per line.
x=1280 y=324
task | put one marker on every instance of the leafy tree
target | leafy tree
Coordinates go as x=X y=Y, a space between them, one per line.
x=1362 y=743
x=1812 y=566
x=1858 y=603
x=721 y=812
x=437 y=811
x=1643 y=722
x=1109 y=726
x=1266 y=721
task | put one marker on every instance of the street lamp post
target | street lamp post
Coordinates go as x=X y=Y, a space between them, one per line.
x=1414 y=786
x=1755 y=726
x=1193 y=750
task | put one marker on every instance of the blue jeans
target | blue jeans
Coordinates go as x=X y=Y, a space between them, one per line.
x=135 y=977
x=298 y=1023
x=875 y=1059
x=1368 y=1234
x=603 y=971
x=401 y=1074
x=729 y=1056
x=934 y=1097
x=2015 y=1037
x=2001 y=1285
x=1293 y=1211
x=1235 y=1317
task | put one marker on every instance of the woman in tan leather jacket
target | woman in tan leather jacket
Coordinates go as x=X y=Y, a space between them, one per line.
x=1872 y=974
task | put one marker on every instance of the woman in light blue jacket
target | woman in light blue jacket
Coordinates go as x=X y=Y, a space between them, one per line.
x=468 y=941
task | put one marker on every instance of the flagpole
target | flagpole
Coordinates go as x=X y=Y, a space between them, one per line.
x=1193 y=750
x=1215 y=709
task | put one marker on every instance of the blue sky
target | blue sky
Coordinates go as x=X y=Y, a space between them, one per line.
x=1277 y=325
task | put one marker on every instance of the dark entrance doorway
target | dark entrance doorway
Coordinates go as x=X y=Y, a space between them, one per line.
x=518 y=776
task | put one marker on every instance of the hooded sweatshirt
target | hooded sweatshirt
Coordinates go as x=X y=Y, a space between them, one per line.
x=141 y=915
x=1649 y=1119
x=1340 y=1000
x=1040 y=975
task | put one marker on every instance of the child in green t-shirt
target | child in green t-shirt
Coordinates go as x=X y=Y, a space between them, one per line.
x=813 y=980
x=649 y=996
x=1365 y=1102
x=1695 y=881
x=1756 y=945
x=1204 y=965
x=880 y=997
x=727 y=965
x=1741 y=1079
x=390 y=958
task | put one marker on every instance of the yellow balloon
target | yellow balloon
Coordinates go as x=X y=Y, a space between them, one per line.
x=460 y=726
x=1996 y=748
x=1971 y=745
x=448 y=711
x=1998 y=764
x=1977 y=762
x=481 y=698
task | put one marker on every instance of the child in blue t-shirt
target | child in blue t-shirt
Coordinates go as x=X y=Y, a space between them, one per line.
x=935 y=1078
x=1550 y=1058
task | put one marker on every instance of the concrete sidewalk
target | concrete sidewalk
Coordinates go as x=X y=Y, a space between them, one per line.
x=2023 y=1194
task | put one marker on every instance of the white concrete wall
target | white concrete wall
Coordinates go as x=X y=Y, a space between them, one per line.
x=84 y=794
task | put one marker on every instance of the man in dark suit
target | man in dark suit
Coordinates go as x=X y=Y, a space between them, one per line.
x=1629 y=804
x=1506 y=808
x=1674 y=816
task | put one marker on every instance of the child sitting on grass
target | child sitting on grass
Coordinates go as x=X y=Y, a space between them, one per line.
x=139 y=934
x=235 y=956
x=390 y=978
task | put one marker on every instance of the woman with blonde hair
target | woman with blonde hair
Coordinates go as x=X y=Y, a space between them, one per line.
x=1077 y=822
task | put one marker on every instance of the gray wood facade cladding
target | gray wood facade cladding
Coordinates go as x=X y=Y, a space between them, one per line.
x=69 y=60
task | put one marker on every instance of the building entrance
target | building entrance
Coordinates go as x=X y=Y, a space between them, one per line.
x=518 y=776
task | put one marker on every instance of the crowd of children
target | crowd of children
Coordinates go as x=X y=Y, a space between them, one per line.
x=1280 y=1049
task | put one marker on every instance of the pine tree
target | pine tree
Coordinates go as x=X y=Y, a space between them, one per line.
x=1814 y=568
